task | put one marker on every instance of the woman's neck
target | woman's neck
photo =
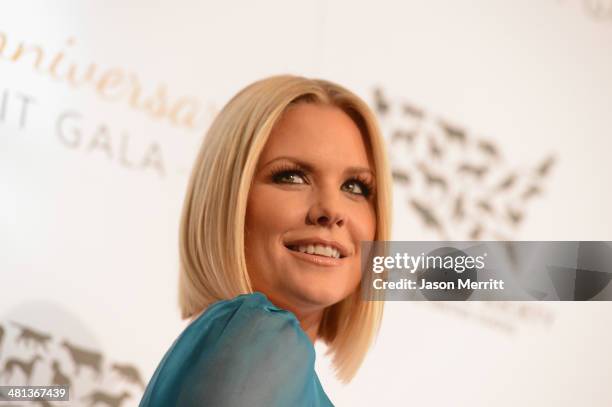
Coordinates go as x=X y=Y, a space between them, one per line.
x=310 y=324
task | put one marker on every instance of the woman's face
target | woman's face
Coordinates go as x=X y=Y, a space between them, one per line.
x=311 y=200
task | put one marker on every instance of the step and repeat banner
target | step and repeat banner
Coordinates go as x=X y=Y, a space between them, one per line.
x=497 y=116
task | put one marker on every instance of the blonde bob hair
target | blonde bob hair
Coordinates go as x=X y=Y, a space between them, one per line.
x=211 y=241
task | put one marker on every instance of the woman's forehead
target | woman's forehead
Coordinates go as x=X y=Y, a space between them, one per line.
x=317 y=134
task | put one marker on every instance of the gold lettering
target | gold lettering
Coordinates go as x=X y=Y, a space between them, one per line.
x=72 y=79
x=188 y=107
x=110 y=85
x=2 y=42
x=136 y=88
x=156 y=105
x=57 y=59
x=21 y=49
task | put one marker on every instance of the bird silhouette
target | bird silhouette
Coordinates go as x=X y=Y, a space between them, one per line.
x=459 y=211
x=515 y=216
x=401 y=176
x=481 y=192
x=544 y=168
x=382 y=106
x=434 y=149
x=531 y=192
x=432 y=179
x=488 y=148
x=476 y=232
x=476 y=171
x=427 y=215
x=411 y=110
x=507 y=182
x=406 y=136
x=453 y=133
x=485 y=206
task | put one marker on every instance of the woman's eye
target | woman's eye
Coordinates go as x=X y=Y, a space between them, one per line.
x=359 y=188
x=290 y=177
x=353 y=186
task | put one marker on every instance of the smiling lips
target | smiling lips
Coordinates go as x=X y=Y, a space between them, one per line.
x=318 y=252
x=321 y=250
x=316 y=258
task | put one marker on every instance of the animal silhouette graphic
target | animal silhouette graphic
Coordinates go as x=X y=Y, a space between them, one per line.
x=458 y=185
x=544 y=168
x=404 y=135
x=485 y=206
x=476 y=232
x=507 y=183
x=514 y=215
x=84 y=357
x=435 y=150
x=379 y=101
x=458 y=211
x=129 y=373
x=433 y=179
x=477 y=171
x=29 y=335
x=411 y=110
x=98 y=396
x=401 y=176
x=427 y=214
x=59 y=378
x=26 y=367
x=531 y=192
x=488 y=148
x=453 y=133
x=56 y=370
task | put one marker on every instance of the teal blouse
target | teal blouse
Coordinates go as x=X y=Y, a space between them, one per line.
x=239 y=352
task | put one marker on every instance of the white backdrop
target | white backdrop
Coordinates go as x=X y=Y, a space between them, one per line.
x=93 y=168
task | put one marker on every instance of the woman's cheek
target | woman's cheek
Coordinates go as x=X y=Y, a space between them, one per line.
x=289 y=207
x=365 y=223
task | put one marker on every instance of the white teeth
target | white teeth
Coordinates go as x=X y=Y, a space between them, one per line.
x=321 y=250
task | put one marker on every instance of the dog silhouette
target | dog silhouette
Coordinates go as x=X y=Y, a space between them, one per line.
x=83 y=357
x=28 y=335
x=129 y=373
x=26 y=367
x=59 y=378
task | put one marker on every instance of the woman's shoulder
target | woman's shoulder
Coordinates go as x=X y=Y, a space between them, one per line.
x=256 y=354
x=246 y=310
x=241 y=343
x=255 y=302
x=251 y=319
x=245 y=324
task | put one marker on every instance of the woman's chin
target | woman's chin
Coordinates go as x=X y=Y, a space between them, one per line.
x=322 y=296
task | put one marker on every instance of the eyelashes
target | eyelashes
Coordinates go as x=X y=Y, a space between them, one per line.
x=281 y=173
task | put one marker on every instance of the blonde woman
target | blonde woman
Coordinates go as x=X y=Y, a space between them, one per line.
x=290 y=178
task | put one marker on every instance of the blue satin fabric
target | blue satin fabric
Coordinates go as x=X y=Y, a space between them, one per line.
x=239 y=352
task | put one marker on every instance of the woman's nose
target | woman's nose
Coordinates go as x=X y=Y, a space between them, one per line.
x=327 y=209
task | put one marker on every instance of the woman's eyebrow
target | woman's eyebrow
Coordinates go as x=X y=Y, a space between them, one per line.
x=308 y=167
